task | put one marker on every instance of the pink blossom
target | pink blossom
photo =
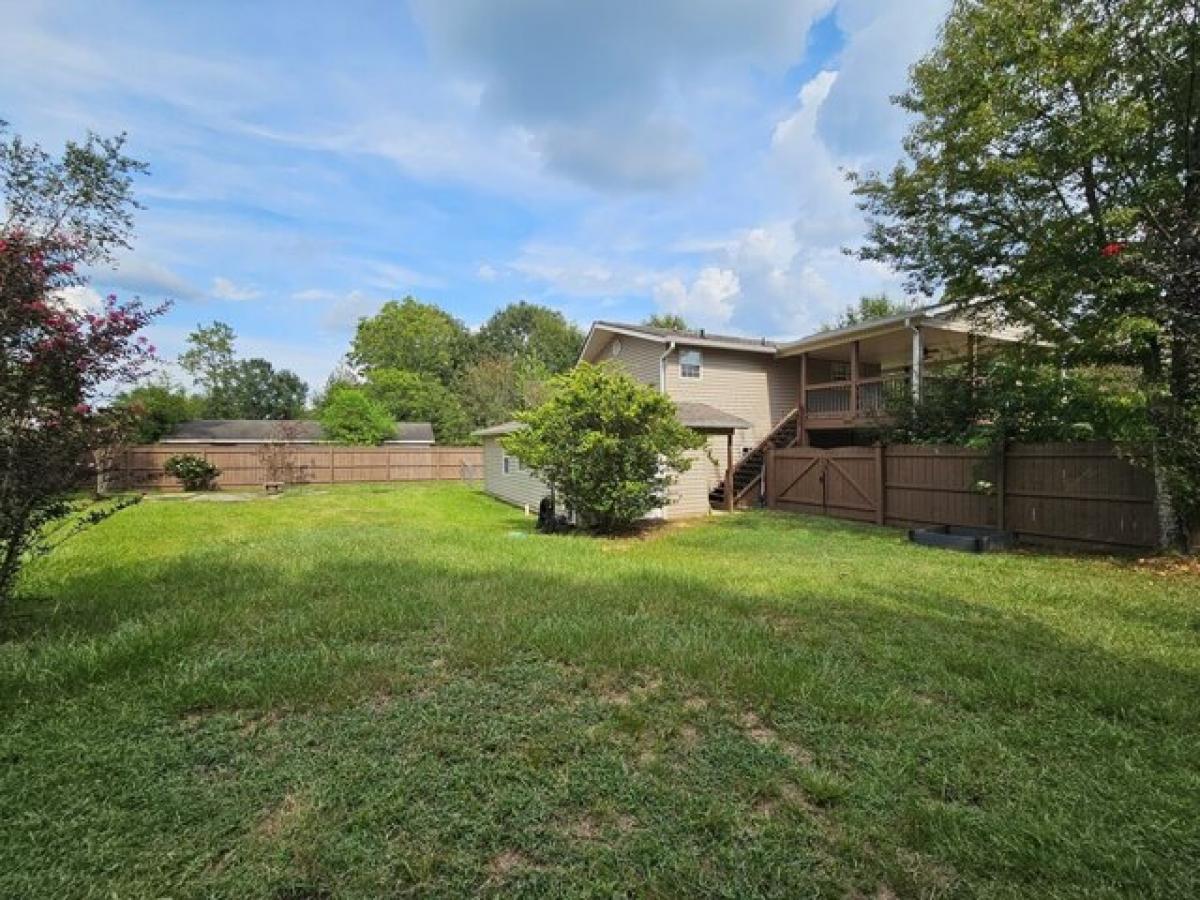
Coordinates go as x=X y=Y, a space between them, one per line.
x=82 y=409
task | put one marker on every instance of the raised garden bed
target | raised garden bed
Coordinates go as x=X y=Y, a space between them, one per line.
x=955 y=537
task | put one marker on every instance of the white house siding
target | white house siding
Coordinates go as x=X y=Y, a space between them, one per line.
x=519 y=488
x=751 y=386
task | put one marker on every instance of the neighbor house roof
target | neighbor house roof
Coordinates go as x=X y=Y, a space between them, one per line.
x=700 y=416
x=498 y=430
x=300 y=431
x=699 y=338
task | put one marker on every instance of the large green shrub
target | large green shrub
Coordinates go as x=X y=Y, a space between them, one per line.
x=196 y=472
x=349 y=416
x=609 y=446
x=1010 y=397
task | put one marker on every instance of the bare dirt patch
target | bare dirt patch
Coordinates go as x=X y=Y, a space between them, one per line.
x=763 y=735
x=290 y=810
x=506 y=862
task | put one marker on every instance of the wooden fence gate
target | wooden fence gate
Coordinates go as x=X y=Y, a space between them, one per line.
x=1083 y=496
x=842 y=482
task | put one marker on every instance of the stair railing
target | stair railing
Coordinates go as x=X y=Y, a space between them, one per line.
x=760 y=448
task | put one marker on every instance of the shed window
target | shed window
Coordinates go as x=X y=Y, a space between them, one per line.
x=511 y=464
x=689 y=364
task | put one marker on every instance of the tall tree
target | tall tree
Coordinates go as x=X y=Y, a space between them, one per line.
x=670 y=321
x=211 y=362
x=157 y=409
x=1052 y=179
x=528 y=331
x=494 y=388
x=413 y=397
x=868 y=308
x=260 y=391
x=57 y=363
x=413 y=336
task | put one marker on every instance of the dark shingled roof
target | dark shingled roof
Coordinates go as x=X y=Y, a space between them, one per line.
x=700 y=416
x=691 y=336
x=252 y=431
x=703 y=417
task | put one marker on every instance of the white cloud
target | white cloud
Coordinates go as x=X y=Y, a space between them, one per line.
x=600 y=84
x=224 y=289
x=345 y=311
x=144 y=276
x=487 y=272
x=708 y=302
x=80 y=297
x=882 y=41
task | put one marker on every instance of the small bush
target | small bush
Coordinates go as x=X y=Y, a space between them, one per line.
x=196 y=472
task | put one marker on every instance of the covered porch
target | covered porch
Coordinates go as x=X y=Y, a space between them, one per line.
x=849 y=376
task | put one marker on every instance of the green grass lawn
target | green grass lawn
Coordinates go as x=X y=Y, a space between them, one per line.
x=393 y=691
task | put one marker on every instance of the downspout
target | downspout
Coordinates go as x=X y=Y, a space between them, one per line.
x=662 y=368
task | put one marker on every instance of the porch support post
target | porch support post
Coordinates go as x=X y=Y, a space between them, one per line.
x=918 y=362
x=802 y=430
x=854 y=380
x=729 y=472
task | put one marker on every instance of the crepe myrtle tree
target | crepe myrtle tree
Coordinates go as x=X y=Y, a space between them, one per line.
x=1051 y=179
x=609 y=446
x=56 y=361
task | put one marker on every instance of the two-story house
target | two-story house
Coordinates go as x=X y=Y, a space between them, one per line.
x=827 y=389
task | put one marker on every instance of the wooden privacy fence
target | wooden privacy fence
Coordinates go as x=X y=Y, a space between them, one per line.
x=242 y=466
x=1076 y=496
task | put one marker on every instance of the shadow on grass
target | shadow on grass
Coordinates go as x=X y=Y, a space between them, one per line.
x=969 y=730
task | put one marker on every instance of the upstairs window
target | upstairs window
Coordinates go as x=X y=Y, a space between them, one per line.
x=689 y=364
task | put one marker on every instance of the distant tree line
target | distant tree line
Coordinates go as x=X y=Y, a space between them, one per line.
x=413 y=361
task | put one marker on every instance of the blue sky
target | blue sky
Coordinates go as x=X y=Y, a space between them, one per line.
x=608 y=158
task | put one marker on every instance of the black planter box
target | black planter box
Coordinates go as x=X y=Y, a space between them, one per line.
x=954 y=537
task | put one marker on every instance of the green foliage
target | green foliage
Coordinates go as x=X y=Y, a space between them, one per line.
x=495 y=388
x=868 y=308
x=349 y=416
x=57 y=364
x=412 y=336
x=157 y=409
x=260 y=391
x=239 y=388
x=210 y=361
x=196 y=472
x=1051 y=180
x=1010 y=397
x=608 y=445
x=411 y=397
x=669 y=321
x=526 y=331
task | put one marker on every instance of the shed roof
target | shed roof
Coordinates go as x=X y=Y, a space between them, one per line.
x=703 y=417
x=257 y=431
x=499 y=430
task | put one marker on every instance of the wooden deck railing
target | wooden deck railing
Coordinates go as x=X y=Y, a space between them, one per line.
x=835 y=400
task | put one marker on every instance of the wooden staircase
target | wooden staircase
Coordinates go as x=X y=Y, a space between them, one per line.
x=747 y=474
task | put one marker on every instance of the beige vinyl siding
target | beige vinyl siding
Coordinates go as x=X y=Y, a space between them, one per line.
x=519 y=488
x=689 y=494
x=752 y=386
x=638 y=356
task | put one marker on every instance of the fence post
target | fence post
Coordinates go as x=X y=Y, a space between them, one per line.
x=331 y=464
x=880 y=486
